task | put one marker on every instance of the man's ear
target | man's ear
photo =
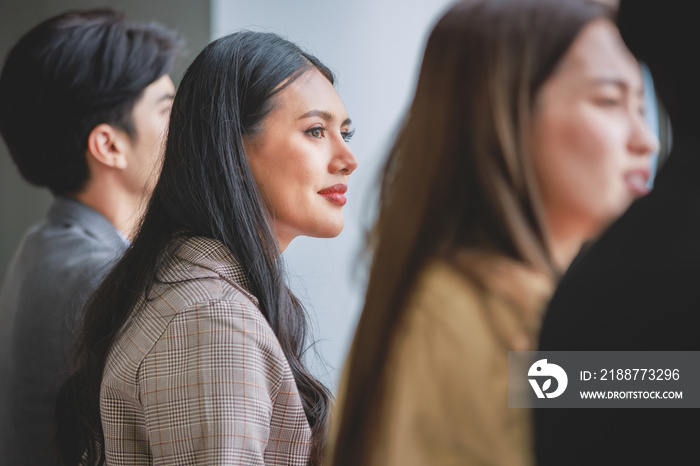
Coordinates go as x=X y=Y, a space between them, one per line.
x=107 y=145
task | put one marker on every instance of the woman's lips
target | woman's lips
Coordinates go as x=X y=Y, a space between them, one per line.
x=637 y=181
x=335 y=194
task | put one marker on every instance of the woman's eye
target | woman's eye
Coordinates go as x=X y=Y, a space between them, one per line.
x=608 y=101
x=315 y=132
x=347 y=135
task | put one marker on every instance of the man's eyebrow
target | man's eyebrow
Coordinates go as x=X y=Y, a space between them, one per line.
x=323 y=114
x=168 y=96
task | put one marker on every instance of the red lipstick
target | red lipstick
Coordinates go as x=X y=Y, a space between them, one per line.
x=335 y=194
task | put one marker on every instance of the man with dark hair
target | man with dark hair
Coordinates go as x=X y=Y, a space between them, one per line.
x=84 y=102
x=636 y=288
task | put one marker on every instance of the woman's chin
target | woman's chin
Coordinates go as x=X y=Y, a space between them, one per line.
x=329 y=231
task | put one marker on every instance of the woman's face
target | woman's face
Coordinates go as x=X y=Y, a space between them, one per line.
x=301 y=160
x=590 y=143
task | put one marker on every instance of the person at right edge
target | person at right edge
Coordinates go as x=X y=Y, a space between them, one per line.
x=636 y=288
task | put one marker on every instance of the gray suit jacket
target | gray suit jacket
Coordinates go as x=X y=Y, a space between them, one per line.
x=58 y=264
x=198 y=376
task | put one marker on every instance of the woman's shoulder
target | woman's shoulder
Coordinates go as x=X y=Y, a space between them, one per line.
x=475 y=273
x=201 y=279
x=448 y=368
x=200 y=269
x=493 y=296
x=200 y=287
x=472 y=277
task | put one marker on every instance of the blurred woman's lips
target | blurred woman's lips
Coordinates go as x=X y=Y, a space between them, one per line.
x=636 y=181
x=335 y=194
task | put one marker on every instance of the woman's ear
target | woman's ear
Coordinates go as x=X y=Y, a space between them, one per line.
x=107 y=145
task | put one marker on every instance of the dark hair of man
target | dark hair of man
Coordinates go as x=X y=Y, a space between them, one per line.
x=69 y=74
x=206 y=189
x=458 y=179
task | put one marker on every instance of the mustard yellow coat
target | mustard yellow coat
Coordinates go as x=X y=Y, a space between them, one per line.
x=447 y=399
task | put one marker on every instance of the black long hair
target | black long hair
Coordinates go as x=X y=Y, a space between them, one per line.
x=206 y=188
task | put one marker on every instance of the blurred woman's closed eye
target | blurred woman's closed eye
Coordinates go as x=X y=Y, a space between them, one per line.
x=608 y=101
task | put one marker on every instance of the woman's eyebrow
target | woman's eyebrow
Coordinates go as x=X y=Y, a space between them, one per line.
x=618 y=82
x=317 y=113
x=323 y=114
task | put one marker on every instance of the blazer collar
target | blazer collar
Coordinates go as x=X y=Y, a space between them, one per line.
x=213 y=255
x=72 y=212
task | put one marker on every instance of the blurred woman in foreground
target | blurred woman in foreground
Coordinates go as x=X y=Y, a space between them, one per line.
x=526 y=136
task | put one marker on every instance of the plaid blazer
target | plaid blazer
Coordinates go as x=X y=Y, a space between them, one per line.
x=198 y=376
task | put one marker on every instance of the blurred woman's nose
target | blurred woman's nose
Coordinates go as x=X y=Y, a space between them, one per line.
x=643 y=141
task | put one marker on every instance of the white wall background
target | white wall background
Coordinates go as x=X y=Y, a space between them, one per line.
x=374 y=47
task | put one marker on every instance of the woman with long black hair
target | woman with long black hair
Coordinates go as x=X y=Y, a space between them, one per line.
x=191 y=349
